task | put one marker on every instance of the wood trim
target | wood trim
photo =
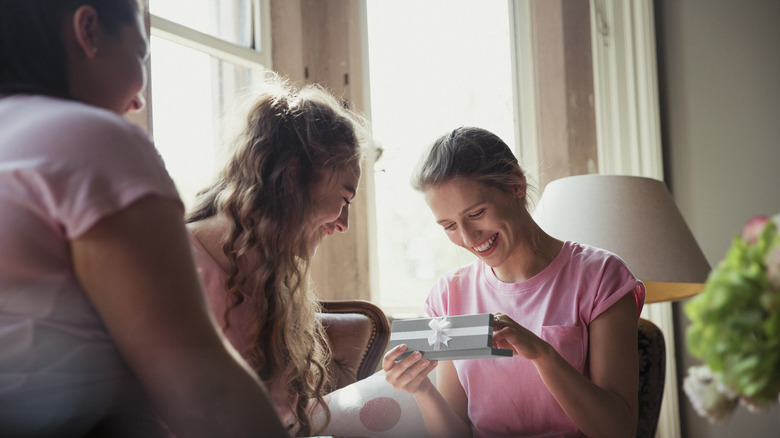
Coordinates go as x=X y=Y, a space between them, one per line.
x=375 y=348
x=211 y=45
x=322 y=42
x=626 y=88
x=524 y=86
x=564 y=88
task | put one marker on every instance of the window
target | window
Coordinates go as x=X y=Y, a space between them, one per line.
x=205 y=53
x=433 y=66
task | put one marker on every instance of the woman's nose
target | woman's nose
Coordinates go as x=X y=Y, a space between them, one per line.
x=342 y=223
x=469 y=236
x=137 y=103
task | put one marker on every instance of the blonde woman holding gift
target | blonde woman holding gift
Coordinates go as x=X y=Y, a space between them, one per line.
x=568 y=311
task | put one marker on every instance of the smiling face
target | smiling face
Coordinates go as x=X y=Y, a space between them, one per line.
x=482 y=219
x=331 y=196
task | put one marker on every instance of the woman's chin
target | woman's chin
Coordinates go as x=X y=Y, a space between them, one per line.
x=316 y=241
x=315 y=244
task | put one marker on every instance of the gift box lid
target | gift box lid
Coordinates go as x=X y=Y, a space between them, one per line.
x=448 y=337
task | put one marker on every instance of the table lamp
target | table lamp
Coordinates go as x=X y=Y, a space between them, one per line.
x=635 y=218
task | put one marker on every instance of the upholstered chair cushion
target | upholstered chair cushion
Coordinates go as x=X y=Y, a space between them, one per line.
x=652 y=372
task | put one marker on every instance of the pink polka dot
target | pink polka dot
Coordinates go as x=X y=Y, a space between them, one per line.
x=380 y=414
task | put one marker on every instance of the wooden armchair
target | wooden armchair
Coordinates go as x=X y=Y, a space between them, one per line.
x=652 y=373
x=358 y=333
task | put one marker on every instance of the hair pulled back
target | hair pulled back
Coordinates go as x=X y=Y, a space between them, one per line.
x=33 y=57
x=288 y=142
x=472 y=153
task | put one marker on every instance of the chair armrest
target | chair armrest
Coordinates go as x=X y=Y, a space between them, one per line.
x=357 y=332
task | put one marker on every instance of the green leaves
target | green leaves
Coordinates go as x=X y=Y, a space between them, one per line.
x=735 y=322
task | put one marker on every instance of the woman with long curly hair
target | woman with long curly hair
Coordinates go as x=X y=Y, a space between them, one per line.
x=290 y=177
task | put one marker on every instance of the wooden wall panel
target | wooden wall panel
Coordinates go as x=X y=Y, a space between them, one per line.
x=320 y=42
x=566 y=119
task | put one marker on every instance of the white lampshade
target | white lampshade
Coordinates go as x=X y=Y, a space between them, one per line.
x=634 y=217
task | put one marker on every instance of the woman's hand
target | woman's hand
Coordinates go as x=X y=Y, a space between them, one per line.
x=410 y=374
x=510 y=335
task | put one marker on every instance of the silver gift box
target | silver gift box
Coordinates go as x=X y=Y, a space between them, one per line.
x=448 y=337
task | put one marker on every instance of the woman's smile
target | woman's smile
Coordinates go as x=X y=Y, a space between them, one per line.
x=485 y=247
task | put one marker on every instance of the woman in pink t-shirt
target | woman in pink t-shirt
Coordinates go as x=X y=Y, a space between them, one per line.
x=290 y=177
x=568 y=311
x=103 y=323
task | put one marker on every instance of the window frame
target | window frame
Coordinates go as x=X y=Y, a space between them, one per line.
x=258 y=57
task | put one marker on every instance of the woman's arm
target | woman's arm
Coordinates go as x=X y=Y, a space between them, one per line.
x=448 y=383
x=410 y=375
x=606 y=405
x=137 y=270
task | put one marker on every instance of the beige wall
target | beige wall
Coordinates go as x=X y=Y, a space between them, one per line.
x=719 y=76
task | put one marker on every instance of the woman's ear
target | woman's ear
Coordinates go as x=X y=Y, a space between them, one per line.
x=86 y=28
x=291 y=171
x=521 y=185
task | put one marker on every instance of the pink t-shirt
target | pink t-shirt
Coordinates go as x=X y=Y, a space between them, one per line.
x=242 y=317
x=63 y=166
x=506 y=396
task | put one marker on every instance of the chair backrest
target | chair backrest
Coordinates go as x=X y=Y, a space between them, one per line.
x=652 y=372
x=358 y=333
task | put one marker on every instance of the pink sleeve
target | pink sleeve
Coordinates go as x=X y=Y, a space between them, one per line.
x=435 y=305
x=103 y=164
x=616 y=282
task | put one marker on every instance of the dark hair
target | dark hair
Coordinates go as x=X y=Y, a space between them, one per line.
x=32 y=51
x=472 y=153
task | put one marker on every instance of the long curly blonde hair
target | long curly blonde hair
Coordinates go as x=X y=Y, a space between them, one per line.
x=268 y=241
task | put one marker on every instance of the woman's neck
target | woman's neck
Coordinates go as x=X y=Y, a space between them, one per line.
x=530 y=257
x=210 y=232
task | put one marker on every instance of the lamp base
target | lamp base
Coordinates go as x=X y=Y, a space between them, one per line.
x=660 y=291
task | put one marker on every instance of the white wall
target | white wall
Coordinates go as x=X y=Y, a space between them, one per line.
x=719 y=76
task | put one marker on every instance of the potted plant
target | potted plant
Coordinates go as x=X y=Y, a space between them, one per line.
x=735 y=326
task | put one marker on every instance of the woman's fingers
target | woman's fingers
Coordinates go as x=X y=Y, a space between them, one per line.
x=408 y=373
x=423 y=368
x=389 y=360
x=500 y=339
x=501 y=321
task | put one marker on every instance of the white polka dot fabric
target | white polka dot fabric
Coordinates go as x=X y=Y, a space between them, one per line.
x=373 y=408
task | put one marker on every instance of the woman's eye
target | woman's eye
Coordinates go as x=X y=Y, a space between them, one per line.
x=346 y=201
x=449 y=227
x=477 y=214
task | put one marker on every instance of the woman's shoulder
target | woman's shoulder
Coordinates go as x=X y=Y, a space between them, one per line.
x=48 y=120
x=466 y=271
x=588 y=255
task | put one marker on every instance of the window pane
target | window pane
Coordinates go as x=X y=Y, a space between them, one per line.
x=434 y=66
x=230 y=20
x=190 y=92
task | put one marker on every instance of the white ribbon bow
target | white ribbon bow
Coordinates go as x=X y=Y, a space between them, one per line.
x=438 y=337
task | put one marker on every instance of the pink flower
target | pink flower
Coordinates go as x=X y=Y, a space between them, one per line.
x=752 y=229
